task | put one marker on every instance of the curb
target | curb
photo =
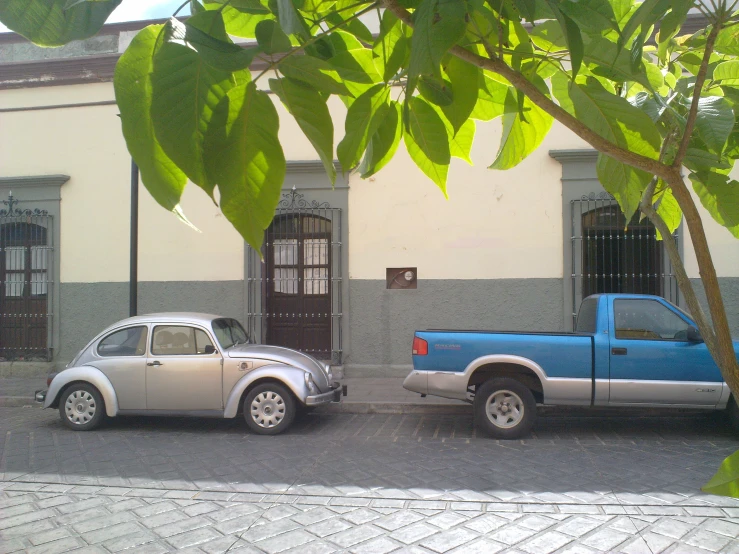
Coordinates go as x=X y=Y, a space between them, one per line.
x=17 y=402
x=394 y=408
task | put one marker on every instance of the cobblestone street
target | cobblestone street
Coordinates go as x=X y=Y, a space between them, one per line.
x=364 y=483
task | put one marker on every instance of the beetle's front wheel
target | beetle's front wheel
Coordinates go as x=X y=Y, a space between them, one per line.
x=504 y=408
x=81 y=407
x=269 y=409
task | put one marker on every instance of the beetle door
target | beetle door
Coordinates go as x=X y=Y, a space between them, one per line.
x=183 y=370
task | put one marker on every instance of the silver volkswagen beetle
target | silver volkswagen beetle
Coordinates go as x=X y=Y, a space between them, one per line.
x=187 y=364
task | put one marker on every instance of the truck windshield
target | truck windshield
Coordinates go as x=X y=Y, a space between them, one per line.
x=229 y=332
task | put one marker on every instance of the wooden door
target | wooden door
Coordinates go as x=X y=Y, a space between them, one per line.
x=298 y=288
x=24 y=263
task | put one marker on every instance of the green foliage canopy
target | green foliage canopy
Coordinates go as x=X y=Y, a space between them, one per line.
x=192 y=110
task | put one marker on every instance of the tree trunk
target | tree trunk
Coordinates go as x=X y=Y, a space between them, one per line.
x=721 y=346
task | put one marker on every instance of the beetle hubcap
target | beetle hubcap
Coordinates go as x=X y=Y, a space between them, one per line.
x=267 y=409
x=80 y=407
x=504 y=409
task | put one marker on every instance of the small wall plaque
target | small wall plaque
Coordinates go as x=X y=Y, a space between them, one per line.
x=401 y=278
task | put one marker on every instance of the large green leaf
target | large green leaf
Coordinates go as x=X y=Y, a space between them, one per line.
x=357 y=66
x=246 y=161
x=309 y=109
x=714 y=121
x=55 y=22
x=727 y=73
x=549 y=36
x=572 y=35
x=436 y=91
x=720 y=197
x=271 y=37
x=726 y=480
x=462 y=75
x=460 y=142
x=618 y=121
x=727 y=41
x=384 y=142
x=491 y=99
x=315 y=72
x=427 y=142
x=362 y=121
x=185 y=91
x=439 y=24
x=205 y=33
x=668 y=209
x=590 y=15
x=523 y=131
x=240 y=23
x=160 y=175
x=648 y=13
x=392 y=46
x=288 y=17
x=672 y=22
x=606 y=60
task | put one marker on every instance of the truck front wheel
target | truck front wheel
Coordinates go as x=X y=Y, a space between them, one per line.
x=504 y=408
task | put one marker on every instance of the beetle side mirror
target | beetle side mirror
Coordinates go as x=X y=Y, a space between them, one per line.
x=209 y=349
x=694 y=335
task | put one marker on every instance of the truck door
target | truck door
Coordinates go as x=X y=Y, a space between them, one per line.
x=652 y=362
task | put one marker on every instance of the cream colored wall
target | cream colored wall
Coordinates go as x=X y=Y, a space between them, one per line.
x=723 y=245
x=86 y=144
x=496 y=224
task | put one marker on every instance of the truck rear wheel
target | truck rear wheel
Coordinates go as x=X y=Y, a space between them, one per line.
x=504 y=408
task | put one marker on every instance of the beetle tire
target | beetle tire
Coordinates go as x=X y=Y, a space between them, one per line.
x=83 y=412
x=517 y=405
x=264 y=404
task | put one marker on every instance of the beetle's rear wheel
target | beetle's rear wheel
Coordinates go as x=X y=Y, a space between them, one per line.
x=269 y=409
x=504 y=408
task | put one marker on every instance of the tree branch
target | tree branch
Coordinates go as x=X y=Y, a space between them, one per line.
x=496 y=65
x=700 y=79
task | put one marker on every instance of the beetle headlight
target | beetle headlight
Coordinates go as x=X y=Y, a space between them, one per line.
x=309 y=382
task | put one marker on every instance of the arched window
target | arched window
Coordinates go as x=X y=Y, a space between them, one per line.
x=617 y=257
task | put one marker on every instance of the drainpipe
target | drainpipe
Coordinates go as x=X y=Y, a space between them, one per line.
x=133 y=279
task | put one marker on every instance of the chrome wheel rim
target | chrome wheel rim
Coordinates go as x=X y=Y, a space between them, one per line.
x=504 y=409
x=80 y=407
x=268 y=409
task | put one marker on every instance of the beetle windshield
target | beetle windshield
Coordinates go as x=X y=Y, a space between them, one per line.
x=229 y=332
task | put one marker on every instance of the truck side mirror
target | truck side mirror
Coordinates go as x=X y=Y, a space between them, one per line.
x=209 y=349
x=694 y=335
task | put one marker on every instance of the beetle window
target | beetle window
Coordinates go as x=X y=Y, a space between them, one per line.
x=179 y=340
x=126 y=342
x=648 y=319
x=229 y=332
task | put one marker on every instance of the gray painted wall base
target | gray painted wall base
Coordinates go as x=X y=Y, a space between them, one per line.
x=87 y=308
x=382 y=321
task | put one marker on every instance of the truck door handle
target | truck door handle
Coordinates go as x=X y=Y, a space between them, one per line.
x=155 y=363
x=618 y=351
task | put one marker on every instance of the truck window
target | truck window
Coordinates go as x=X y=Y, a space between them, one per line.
x=647 y=320
x=586 y=318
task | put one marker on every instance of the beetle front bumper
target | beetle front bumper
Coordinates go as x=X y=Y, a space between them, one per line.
x=40 y=395
x=334 y=395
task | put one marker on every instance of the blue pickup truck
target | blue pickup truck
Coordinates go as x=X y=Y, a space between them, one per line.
x=627 y=350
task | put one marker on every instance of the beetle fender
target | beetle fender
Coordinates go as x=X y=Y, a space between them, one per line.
x=292 y=377
x=87 y=374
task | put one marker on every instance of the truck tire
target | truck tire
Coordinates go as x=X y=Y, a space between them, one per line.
x=504 y=408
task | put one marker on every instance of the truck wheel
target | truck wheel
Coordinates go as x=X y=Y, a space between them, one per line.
x=81 y=407
x=504 y=408
x=269 y=409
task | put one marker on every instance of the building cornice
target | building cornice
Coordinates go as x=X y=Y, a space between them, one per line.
x=27 y=181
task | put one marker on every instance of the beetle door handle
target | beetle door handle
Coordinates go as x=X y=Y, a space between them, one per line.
x=618 y=351
x=155 y=363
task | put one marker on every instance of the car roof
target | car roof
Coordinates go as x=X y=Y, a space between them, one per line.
x=169 y=317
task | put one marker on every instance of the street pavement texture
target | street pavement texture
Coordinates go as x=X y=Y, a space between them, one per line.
x=370 y=483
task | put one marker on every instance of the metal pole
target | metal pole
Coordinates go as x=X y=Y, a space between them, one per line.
x=133 y=279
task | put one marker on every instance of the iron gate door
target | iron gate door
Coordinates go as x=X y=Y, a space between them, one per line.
x=298 y=295
x=25 y=264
